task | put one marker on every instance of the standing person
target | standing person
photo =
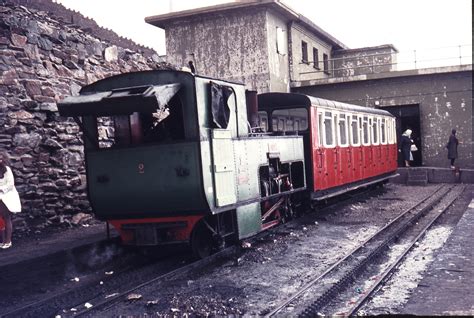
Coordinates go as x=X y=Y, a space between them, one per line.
x=405 y=145
x=9 y=200
x=452 y=147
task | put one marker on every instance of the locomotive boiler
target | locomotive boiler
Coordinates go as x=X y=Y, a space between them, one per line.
x=173 y=157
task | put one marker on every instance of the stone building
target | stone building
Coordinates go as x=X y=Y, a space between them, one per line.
x=44 y=56
x=270 y=47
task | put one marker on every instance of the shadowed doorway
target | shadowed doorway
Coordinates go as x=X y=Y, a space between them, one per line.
x=408 y=117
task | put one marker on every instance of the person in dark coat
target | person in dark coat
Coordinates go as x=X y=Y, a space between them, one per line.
x=452 y=147
x=405 y=145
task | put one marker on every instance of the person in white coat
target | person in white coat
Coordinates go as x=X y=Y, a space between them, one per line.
x=9 y=200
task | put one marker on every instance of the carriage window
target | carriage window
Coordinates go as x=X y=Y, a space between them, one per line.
x=263 y=121
x=320 y=129
x=389 y=131
x=275 y=124
x=293 y=119
x=281 y=124
x=342 y=130
x=297 y=125
x=365 y=131
x=354 y=131
x=375 y=131
x=394 y=131
x=328 y=129
x=383 y=137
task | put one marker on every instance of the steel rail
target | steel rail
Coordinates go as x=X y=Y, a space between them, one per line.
x=358 y=248
x=379 y=247
x=382 y=277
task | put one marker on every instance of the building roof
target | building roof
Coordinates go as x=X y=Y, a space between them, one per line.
x=163 y=20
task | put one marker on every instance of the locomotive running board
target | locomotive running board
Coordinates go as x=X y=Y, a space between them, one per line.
x=351 y=188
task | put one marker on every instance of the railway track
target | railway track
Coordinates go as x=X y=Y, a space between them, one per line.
x=332 y=292
x=103 y=292
x=87 y=300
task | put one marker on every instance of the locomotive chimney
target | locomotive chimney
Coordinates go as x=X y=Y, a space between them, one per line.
x=252 y=107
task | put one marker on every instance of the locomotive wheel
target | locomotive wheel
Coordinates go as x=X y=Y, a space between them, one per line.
x=202 y=242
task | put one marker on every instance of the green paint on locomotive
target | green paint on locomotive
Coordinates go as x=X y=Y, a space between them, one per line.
x=207 y=170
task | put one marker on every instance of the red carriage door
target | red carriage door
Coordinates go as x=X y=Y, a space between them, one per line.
x=320 y=178
x=375 y=145
x=384 y=154
x=344 y=159
x=329 y=149
x=366 y=148
x=355 y=148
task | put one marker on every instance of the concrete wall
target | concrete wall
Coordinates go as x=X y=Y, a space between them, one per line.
x=376 y=59
x=444 y=97
x=230 y=46
x=278 y=61
x=303 y=71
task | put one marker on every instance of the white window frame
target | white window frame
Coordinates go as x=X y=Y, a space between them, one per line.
x=354 y=118
x=383 y=131
x=341 y=119
x=320 y=128
x=373 y=132
x=331 y=118
x=391 y=130
x=365 y=120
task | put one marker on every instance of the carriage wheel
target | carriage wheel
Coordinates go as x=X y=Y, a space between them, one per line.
x=202 y=242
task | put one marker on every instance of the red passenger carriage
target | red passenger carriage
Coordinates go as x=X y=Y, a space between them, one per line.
x=346 y=146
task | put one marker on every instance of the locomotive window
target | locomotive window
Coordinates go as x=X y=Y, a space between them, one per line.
x=383 y=132
x=375 y=131
x=355 y=131
x=328 y=130
x=365 y=131
x=165 y=125
x=293 y=119
x=342 y=130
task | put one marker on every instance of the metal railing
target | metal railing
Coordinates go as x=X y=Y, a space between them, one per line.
x=393 y=61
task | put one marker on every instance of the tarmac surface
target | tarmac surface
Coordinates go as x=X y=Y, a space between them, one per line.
x=446 y=289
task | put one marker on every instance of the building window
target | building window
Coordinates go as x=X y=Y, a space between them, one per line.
x=281 y=41
x=315 y=58
x=326 y=63
x=304 y=52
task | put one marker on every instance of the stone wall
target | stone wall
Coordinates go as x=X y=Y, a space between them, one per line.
x=42 y=60
x=74 y=18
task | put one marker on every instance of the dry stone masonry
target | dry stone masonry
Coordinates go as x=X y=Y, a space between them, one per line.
x=42 y=60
